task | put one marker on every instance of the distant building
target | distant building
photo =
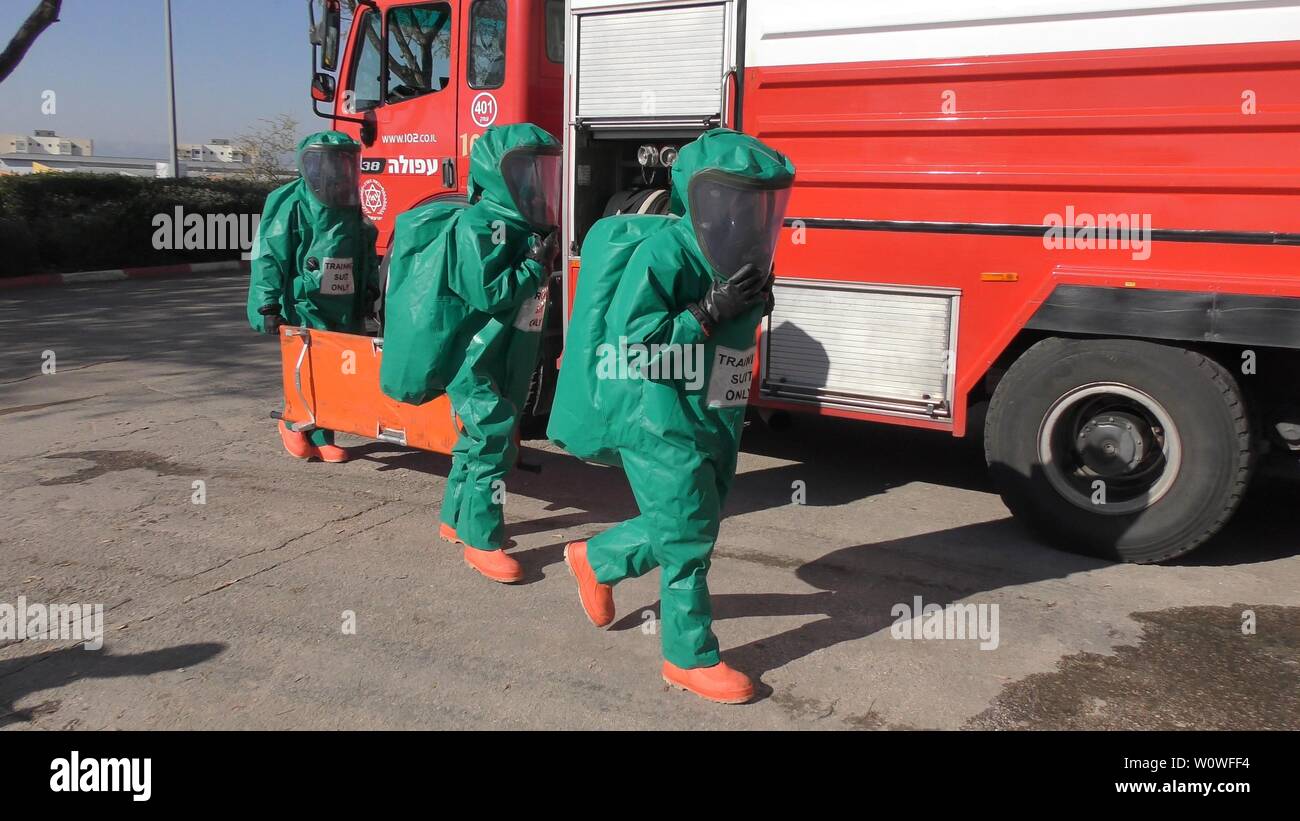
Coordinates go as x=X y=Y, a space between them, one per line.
x=47 y=152
x=47 y=164
x=215 y=150
x=46 y=142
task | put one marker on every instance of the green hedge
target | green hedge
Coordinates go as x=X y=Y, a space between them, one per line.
x=57 y=222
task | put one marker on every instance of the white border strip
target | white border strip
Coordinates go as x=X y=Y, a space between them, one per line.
x=781 y=33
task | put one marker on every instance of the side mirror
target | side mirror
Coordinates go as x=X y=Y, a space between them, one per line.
x=322 y=87
x=324 y=31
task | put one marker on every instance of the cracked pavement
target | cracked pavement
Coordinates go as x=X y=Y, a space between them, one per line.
x=230 y=614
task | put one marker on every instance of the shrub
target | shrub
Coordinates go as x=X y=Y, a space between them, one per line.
x=78 y=222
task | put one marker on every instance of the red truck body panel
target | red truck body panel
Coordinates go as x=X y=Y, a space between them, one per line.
x=1189 y=138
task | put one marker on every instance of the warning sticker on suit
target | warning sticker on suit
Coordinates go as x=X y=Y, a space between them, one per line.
x=336 y=276
x=532 y=314
x=733 y=372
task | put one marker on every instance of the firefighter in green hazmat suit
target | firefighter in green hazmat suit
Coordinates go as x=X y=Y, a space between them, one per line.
x=314 y=262
x=656 y=375
x=465 y=309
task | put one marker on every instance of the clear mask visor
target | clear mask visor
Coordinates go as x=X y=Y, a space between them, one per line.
x=534 y=181
x=332 y=175
x=737 y=223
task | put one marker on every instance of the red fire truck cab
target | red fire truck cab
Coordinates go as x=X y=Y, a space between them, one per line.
x=418 y=82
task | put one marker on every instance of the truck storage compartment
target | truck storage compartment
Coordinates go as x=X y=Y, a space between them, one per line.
x=860 y=346
x=609 y=177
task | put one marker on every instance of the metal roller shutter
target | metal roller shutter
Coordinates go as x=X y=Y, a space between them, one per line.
x=657 y=63
x=862 y=346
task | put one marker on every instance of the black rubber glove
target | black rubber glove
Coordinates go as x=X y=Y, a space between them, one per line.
x=728 y=300
x=769 y=299
x=544 y=249
x=271 y=321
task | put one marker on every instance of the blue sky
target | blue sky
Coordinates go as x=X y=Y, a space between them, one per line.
x=236 y=61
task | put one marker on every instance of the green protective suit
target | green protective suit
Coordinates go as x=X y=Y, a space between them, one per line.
x=675 y=429
x=465 y=312
x=314 y=262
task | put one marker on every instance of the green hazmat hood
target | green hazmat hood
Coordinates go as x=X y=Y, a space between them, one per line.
x=330 y=165
x=518 y=168
x=732 y=191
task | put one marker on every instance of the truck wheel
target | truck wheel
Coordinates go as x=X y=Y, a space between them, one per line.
x=1117 y=448
x=536 y=411
x=381 y=305
x=534 y=415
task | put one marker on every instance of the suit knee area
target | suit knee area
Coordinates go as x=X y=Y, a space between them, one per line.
x=689 y=577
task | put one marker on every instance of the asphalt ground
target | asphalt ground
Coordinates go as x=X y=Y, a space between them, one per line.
x=232 y=613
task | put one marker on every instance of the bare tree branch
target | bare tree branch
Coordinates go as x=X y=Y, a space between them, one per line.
x=42 y=17
x=372 y=34
x=268 y=148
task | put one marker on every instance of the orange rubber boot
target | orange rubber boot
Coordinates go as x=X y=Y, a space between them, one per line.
x=332 y=453
x=597 y=599
x=448 y=533
x=494 y=564
x=718 y=683
x=296 y=443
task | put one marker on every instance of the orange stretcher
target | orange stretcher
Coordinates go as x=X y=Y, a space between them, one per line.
x=331 y=381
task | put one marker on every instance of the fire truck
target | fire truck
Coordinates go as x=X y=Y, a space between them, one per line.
x=1069 y=226
x=1073 y=223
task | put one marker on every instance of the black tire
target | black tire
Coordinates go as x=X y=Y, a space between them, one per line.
x=381 y=305
x=533 y=417
x=779 y=421
x=1086 y=402
x=536 y=411
x=638 y=201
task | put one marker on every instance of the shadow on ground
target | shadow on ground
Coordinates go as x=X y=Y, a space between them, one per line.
x=842 y=462
x=26 y=674
x=22 y=676
x=85 y=325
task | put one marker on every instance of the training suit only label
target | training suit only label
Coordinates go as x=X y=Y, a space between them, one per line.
x=733 y=372
x=533 y=312
x=336 y=276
